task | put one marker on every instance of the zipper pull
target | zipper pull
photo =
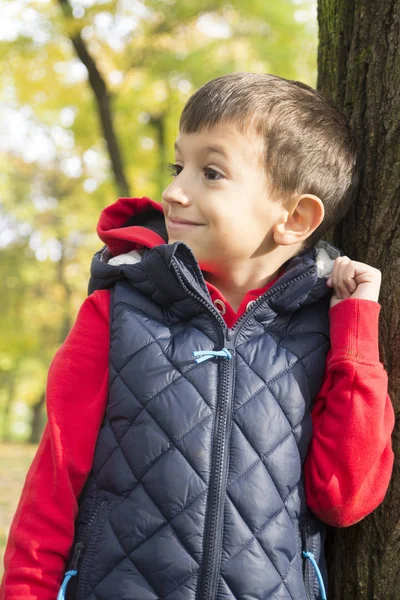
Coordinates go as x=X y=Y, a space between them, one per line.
x=228 y=342
x=76 y=555
x=305 y=535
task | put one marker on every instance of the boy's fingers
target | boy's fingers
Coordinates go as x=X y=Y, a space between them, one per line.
x=335 y=272
x=337 y=276
x=348 y=277
x=343 y=279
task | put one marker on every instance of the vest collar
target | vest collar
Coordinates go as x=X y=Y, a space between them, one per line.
x=165 y=270
x=165 y=267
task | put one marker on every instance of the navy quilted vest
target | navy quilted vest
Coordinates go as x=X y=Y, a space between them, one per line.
x=196 y=490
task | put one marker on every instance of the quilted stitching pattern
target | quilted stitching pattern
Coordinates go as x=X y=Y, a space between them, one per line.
x=153 y=461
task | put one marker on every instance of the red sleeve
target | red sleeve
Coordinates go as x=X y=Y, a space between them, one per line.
x=42 y=530
x=350 y=459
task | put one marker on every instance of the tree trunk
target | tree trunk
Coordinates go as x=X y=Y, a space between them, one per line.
x=9 y=393
x=159 y=124
x=37 y=420
x=359 y=69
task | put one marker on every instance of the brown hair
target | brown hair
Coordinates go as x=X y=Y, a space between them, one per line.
x=308 y=144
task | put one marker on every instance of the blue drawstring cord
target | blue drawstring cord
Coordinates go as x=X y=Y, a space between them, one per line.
x=312 y=560
x=67 y=577
x=206 y=354
x=308 y=555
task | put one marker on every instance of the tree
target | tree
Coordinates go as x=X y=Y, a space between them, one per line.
x=359 y=69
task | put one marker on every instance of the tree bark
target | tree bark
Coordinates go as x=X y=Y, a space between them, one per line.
x=103 y=101
x=359 y=69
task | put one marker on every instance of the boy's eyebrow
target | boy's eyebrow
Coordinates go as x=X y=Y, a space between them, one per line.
x=216 y=148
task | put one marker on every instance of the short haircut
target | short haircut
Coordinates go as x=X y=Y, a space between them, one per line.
x=308 y=144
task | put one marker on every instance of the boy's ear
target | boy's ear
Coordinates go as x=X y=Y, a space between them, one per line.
x=300 y=220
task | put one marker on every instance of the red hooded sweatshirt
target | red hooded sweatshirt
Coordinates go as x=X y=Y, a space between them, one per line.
x=349 y=461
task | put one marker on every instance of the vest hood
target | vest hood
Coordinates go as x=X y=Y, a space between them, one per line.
x=130 y=223
x=133 y=229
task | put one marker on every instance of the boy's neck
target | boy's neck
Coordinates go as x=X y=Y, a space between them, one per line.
x=235 y=280
x=235 y=294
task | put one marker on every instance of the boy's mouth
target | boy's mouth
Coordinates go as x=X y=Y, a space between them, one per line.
x=178 y=223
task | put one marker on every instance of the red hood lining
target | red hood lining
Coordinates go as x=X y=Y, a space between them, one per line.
x=120 y=237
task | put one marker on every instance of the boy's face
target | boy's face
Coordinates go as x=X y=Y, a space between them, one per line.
x=218 y=202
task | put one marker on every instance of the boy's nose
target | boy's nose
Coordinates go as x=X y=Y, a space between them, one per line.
x=175 y=194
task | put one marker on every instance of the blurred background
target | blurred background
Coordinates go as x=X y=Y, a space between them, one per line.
x=90 y=97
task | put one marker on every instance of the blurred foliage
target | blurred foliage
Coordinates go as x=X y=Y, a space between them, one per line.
x=56 y=174
x=14 y=463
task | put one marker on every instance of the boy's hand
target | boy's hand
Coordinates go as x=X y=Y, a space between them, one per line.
x=351 y=279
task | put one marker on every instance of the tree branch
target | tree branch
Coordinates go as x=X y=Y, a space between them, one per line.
x=103 y=101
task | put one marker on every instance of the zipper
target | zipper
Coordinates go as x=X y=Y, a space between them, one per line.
x=237 y=326
x=81 y=546
x=219 y=474
x=219 y=471
x=210 y=307
x=307 y=567
x=273 y=290
x=313 y=581
x=219 y=463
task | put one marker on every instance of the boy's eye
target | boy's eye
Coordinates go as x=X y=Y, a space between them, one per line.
x=173 y=169
x=209 y=173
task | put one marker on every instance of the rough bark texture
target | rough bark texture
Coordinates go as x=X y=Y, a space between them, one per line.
x=359 y=69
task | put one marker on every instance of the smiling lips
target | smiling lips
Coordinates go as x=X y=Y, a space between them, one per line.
x=178 y=223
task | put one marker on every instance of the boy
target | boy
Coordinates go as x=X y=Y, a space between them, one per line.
x=182 y=395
